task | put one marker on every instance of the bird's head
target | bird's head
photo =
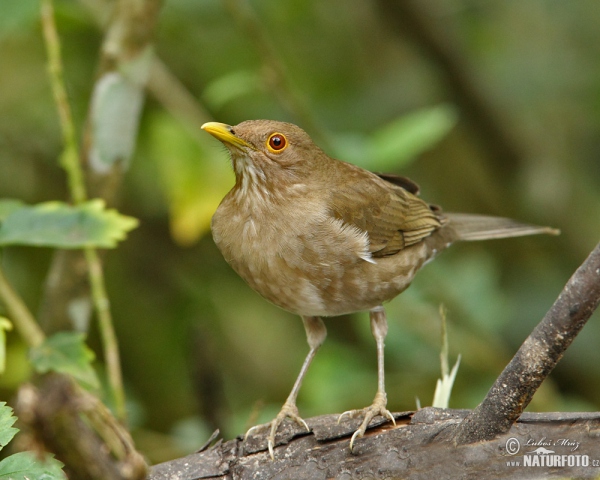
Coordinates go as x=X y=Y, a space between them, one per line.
x=266 y=152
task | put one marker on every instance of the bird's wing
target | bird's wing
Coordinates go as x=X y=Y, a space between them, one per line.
x=406 y=183
x=392 y=216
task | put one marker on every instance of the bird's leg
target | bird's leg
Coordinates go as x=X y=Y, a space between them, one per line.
x=379 y=329
x=315 y=334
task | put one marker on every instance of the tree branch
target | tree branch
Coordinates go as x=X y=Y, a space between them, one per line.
x=386 y=452
x=536 y=358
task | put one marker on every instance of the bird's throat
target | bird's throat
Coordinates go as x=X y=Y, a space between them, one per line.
x=251 y=181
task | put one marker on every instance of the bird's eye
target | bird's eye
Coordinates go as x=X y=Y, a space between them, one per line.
x=277 y=142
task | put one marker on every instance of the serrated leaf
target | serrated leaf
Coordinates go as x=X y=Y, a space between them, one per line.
x=29 y=466
x=7 y=420
x=5 y=326
x=66 y=352
x=57 y=224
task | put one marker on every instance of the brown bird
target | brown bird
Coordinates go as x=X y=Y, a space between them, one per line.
x=321 y=237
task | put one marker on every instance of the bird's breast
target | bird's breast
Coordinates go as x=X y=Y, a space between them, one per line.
x=307 y=262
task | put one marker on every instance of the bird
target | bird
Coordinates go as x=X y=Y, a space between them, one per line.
x=320 y=237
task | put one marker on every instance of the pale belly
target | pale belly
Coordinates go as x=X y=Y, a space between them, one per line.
x=314 y=274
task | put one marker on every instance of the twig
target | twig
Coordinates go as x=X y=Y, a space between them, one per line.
x=536 y=358
x=70 y=162
x=20 y=314
x=70 y=157
x=107 y=331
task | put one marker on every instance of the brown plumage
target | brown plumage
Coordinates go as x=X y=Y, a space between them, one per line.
x=320 y=237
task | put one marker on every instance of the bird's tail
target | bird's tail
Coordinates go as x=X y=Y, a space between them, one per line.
x=481 y=227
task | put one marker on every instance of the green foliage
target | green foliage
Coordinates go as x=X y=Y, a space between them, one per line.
x=57 y=224
x=410 y=135
x=24 y=465
x=116 y=103
x=398 y=142
x=27 y=466
x=66 y=352
x=8 y=206
x=16 y=15
x=5 y=326
x=362 y=82
x=7 y=420
x=231 y=87
x=194 y=174
x=443 y=387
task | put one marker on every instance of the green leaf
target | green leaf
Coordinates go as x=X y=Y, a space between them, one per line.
x=5 y=326
x=7 y=420
x=406 y=137
x=396 y=144
x=353 y=148
x=231 y=86
x=443 y=387
x=195 y=175
x=66 y=352
x=17 y=16
x=28 y=466
x=57 y=224
x=7 y=206
x=117 y=101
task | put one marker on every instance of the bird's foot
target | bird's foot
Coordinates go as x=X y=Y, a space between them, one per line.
x=377 y=408
x=289 y=410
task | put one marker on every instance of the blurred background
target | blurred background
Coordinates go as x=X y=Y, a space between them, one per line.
x=491 y=106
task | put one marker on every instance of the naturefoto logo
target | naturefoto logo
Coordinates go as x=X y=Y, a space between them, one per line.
x=544 y=453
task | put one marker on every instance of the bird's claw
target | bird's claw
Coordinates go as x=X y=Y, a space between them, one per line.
x=350 y=413
x=287 y=411
x=370 y=412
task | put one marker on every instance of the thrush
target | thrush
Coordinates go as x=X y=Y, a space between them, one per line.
x=320 y=237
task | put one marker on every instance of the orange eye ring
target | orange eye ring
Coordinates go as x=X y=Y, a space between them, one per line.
x=277 y=142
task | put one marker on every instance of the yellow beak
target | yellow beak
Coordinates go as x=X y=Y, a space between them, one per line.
x=224 y=133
